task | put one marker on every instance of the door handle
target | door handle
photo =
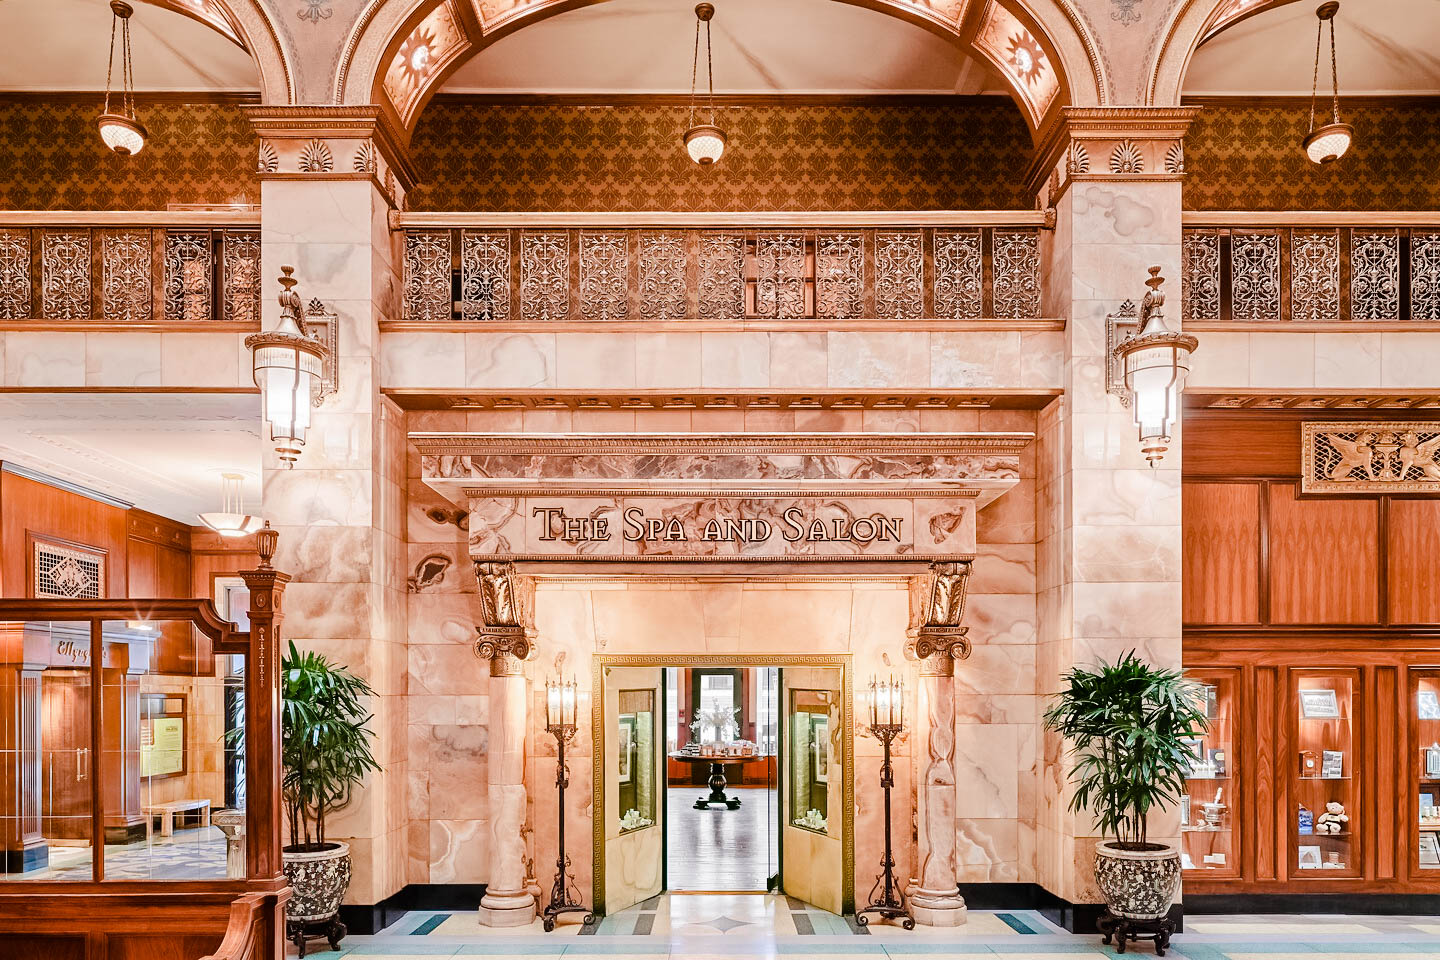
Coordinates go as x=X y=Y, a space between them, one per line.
x=82 y=766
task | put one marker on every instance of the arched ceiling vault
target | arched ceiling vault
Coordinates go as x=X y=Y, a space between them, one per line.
x=400 y=52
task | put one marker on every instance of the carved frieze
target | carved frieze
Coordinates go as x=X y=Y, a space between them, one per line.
x=1381 y=456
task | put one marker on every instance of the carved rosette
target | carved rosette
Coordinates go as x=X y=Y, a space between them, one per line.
x=506 y=635
x=937 y=637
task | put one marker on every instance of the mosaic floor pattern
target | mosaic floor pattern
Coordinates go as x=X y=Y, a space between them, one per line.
x=730 y=927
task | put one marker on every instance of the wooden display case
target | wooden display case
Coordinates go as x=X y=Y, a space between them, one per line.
x=1423 y=837
x=1323 y=774
x=1209 y=838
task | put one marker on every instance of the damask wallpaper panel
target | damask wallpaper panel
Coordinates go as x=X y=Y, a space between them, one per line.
x=51 y=157
x=1245 y=155
x=887 y=153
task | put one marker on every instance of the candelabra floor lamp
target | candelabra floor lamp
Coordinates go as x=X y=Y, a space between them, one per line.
x=887 y=721
x=560 y=700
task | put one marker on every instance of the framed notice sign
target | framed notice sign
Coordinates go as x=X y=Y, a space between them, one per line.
x=162 y=735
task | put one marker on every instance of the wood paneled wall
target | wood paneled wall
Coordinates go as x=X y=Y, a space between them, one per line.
x=28 y=506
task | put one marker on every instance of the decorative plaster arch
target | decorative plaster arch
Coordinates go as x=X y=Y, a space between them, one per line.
x=1192 y=23
x=459 y=29
x=250 y=25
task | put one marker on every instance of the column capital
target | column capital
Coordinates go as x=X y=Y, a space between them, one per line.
x=1111 y=143
x=506 y=636
x=937 y=636
x=333 y=142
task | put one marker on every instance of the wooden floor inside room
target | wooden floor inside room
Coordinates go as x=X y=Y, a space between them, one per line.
x=719 y=849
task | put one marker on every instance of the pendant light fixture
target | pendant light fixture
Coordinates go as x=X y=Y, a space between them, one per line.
x=1329 y=141
x=232 y=520
x=705 y=142
x=121 y=130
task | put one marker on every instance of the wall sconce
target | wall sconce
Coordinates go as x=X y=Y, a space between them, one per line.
x=1147 y=368
x=294 y=368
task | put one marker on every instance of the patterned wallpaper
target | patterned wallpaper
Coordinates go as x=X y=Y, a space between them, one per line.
x=956 y=153
x=51 y=157
x=1246 y=156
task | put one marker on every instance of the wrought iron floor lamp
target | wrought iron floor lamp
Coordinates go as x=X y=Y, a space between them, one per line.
x=560 y=700
x=887 y=721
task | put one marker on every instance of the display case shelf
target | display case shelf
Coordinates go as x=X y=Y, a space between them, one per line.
x=1209 y=843
x=1424 y=773
x=1323 y=703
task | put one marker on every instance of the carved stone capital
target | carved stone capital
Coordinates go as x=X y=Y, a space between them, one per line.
x=937 y=649
x=937 y=634
x=507 y=648
x=505 y=636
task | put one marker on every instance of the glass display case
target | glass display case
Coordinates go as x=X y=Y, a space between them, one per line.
x=636 y=753
x=809 y=759
x=1324 y=809
x=1209 y=840
x=1425 y=761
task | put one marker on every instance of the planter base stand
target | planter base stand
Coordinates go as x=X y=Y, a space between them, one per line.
x=1125 y=929
x=299 y=932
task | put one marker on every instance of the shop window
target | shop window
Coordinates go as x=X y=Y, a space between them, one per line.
x=636 y=752
x=811 y=759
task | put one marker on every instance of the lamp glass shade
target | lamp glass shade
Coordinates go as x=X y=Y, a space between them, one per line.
x=705 y=144
x=231 y=520
x=1154 y=376
x=1328 y=143
x=122 y=134
x=287 y=376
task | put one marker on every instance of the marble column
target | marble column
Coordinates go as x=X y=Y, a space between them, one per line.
x=1108 y=524
x=506 y=641
x=937 y=641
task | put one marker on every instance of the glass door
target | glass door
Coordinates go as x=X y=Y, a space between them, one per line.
x=812 y=786
x=634 y=748
x=1209 y=843
x=1324 y=792
x=1425 y=766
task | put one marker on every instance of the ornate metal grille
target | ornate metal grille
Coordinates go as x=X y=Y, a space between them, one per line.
x=14 y=274
x=839 y=275
x=1375 y=276
x=780 y=275
x=958 y=273
x=604 y=276
x=899 y=275
x=240 y=276
x=125 y=276
x=1016 y=267
x=1200 y=287
x=662 y=276
x=544 y=276
x=485 y=275
x=189 y=267
x=1315 y=276
x=65 y=275
x=1255 y=276
x=722 y=275
x=1425 y=276
x=67 y=574
x=427 y=275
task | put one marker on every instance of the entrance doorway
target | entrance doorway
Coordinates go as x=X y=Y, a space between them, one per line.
x=719 y=774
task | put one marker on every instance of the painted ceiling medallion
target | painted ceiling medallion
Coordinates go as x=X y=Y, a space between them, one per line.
x=1015 y=51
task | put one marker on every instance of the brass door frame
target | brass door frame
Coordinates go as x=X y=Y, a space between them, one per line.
x=600 y=661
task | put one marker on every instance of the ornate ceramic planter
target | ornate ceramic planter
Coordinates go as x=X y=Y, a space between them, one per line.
x=319 y=880
x=1138 y=884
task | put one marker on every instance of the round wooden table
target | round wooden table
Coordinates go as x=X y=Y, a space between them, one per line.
x=717 y=778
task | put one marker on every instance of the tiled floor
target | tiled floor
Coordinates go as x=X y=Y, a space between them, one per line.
x=193 y=853
x=728 y=927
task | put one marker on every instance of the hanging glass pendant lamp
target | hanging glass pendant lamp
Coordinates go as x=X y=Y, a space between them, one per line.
x=121 y=130
x=1328 y=142
x=705 y=142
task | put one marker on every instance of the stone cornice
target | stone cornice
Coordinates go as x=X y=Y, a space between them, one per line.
x=1109 y=125
x=336 y=123
x=835 y=444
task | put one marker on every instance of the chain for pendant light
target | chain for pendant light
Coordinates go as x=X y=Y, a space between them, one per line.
x=1332 y=139
x=121 y=131
x=705 y=142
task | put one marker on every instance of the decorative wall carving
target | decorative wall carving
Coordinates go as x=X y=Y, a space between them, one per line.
x=839 y=275
x=268 y=161
x=188 y=270
x=958 y=270
x=662 y=276
x=1425 y=276
x=1127 y=158
x=1375 y=275
x=1016 y=266
x=14 y=274
x=1078 y=158
x=1315 y=275
x=604 y=275
x=315 y=157
x=125 y=275
x=505 y=636
x=67 y=572
x=65 y=275
x=544 y=276
x=1175 y=157
x=722 y=276
x=1382 y=456
x=899 y=274
x=780 y=275
x=427 y=275
x=937 y=634
x=485 y=275
x=1201 y=275
x=1255 y=276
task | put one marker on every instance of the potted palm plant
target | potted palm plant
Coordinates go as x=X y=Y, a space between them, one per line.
x=1131 y=727
x=325 y=750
